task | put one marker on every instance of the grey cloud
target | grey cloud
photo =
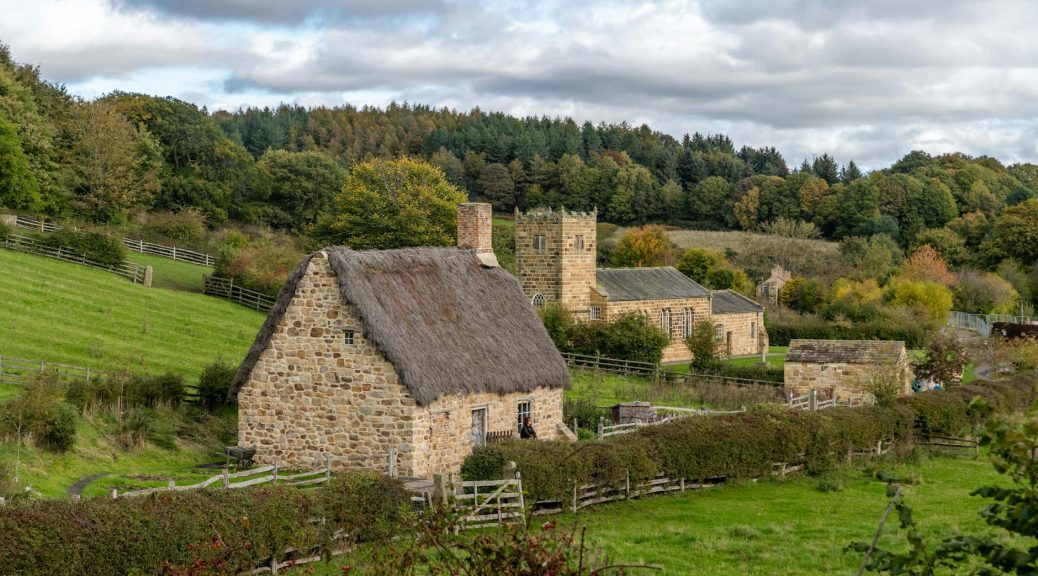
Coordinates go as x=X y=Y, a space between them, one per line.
x=284 y=12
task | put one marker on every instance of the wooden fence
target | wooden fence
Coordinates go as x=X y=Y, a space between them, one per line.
x=243 y=479
x=134 y=244
x=225 y=288
x=129 y=270
x=634 y=367
x=20 y=370
x=810 y=401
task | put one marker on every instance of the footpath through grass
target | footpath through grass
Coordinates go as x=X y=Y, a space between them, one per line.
x=61 y=312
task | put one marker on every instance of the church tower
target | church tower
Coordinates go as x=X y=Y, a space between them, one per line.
x=555 y=257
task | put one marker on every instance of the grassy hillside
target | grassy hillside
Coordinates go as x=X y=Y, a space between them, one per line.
x=61 y=312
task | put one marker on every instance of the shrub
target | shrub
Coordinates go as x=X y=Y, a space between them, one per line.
x=40 y=413
x=5 y=231
x=366 y=505
x=262 y=263
x=127 y=390
x=765 y=372
x=705 y=347
x=785 y=327
x=214 y=385
x=100 y=248
x=746 y=445
x=634 y=337
x=584 y=410
x=184 y=227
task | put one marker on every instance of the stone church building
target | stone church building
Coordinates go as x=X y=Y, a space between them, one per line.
x=419 y=352
x=555 y=256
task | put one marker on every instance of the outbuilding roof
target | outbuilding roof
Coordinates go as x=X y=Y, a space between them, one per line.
x=845 y=351
x=660 y=283
x=448 y=324
x=731 y=302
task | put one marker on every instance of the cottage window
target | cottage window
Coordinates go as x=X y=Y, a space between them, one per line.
x=525 y=411
x=665 y=321
x=538 y=300
x=686 y=325
x=578 y=242
x=753 y=329
x=540 y=243
x=718 y=331
x=595 y=313
x=347 y=337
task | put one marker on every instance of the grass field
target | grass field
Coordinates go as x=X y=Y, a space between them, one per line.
x=608 y=389
x=61 y=312
x=788 y=527
x=172 y=274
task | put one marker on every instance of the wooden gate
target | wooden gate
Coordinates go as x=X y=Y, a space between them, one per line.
x=489 y=502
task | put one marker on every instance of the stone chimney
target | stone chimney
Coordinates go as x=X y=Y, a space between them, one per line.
x=475 y=230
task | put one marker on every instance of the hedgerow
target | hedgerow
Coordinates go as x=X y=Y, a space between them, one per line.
x=744 y=445
x=234 y=530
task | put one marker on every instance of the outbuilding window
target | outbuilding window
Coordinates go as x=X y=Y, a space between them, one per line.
x=347 y=337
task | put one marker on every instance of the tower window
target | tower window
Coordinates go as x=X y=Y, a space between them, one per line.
x=540 y=243
x=578 y=242
x=538 y=300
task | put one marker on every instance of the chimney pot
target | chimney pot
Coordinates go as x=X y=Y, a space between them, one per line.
x=475 y=230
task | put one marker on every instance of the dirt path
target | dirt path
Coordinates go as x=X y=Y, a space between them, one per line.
x=77 y=488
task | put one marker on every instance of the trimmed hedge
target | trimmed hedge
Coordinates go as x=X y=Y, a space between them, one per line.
x=172 y=532
x=95 y=246
x=744 y=445
x=782 y=330
x=767 y=373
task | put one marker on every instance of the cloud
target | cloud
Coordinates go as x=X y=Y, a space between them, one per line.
x=862 y=80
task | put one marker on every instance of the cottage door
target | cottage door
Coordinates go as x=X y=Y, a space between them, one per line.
x=479 y=427
x=728 y=343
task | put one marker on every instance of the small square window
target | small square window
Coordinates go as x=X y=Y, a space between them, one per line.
x=347 y=337
x=578 y=242
x=595 y=313
x=540 y=243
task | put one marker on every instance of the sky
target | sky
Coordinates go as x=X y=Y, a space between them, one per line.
x=860 y=79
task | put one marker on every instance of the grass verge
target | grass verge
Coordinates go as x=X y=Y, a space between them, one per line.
x=172 y=274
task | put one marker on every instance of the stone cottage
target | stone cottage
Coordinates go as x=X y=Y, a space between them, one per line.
x=768 y=291
x=555 y=254
x=420 y=352
x=846 y=368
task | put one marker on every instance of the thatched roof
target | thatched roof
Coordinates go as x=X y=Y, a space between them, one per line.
x=845 y=351
x=448 y=324
x=731 y=302
x=660 y=283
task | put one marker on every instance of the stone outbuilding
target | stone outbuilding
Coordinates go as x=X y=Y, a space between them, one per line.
x=846 y=368
x=419 y=353
x=768 y=291
x=739 y=323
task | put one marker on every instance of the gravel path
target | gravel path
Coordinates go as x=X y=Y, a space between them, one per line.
x=77 y=488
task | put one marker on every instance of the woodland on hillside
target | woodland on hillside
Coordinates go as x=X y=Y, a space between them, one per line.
x=259 y=186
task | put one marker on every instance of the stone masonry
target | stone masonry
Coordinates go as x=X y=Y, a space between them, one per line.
x=313 y=395
x=745 y=329
x=563 y=271
x=676 y=350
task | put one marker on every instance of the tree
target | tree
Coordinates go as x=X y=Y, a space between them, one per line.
x=850 y=173
x=873 y=257
x=303 y=184
x=1014 y=235
x=495 y=184
x=825 y=167
x=392 y=204
x=697 y=263
x=709 y=200
x=114 y=175
x=19 y=188
x=805 y=295
x=927 y=264
x=947 y=243
x=706 y=348
x=945 y=360
x=979 y=292
x=644 y=247
x=747 y=209
x=932 y=301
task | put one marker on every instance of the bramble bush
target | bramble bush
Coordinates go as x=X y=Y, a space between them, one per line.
x=744 y=445
x=214 y=384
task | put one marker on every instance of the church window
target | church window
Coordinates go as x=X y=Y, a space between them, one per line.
x=665 y=321
x=686 y=325
x=538 y=300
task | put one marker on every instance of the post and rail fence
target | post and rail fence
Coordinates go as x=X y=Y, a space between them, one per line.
x=20 y=370
x=648 y=369
x=243 y=479
x=137 y=245
x=225 y=288
x=130 y=270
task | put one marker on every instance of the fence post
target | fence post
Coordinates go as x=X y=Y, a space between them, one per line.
x=1 y=368
x=392 y=462
x=601 y=427
x=149 y=272
x=172 y=484
x=175 y=257
x=327 y=468
x=114 y=493
x=812 y=400
x=275 y=471
x=627 y=489
x=142 y=246
x=574 y=420
x=226 y=480
x=574 y=506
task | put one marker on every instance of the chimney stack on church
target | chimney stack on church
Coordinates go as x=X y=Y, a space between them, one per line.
x=475 y=230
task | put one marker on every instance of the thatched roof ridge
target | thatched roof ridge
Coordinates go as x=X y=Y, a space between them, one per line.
x=288 y=291
x=845 y=351
x=448 y=324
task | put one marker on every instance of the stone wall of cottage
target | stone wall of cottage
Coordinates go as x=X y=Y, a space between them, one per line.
x=563 y=271
x=676 y=350
x=745 y=330
x=314 y=396
x=846 y=380
x=444 y=428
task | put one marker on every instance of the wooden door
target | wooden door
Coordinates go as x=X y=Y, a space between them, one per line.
x=479 y=427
